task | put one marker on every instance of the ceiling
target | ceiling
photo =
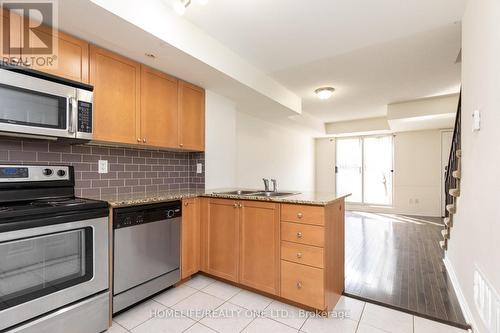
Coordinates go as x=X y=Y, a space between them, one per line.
x=373 y=52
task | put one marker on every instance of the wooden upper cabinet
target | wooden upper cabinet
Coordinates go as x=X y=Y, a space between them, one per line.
x=190 y=240
x=260 y=246
x=223 y=239
x=72 y=61
x=159 y=109
x=191 y=117
x=116 y=82
x=13 y=38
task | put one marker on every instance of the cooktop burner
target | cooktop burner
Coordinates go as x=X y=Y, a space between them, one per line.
x=59 y=202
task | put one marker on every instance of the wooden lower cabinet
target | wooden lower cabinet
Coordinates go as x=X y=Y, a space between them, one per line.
x=255 y=244
x=190 y=238
x=303 y=284
x=222 y=232
x=259 y=246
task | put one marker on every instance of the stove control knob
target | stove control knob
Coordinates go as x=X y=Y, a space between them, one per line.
x=61 y=173
x=47 y=172
x=170 y=213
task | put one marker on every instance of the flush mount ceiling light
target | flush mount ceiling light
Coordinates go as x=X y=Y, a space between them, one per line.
x=180 y=6
x=324 y=92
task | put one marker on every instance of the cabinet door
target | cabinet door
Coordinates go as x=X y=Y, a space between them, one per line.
x=190 y=240
x=191 y=117
x=223 y=239
x=71 y=61
x=159 y=111
x=116 y=82
x=260 y=246
x=11 y=38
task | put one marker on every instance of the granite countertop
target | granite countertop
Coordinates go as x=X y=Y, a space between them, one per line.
x=136 y=199
x=304 y=198
x=301 y=197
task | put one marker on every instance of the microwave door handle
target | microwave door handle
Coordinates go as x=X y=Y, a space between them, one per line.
x=72 y=115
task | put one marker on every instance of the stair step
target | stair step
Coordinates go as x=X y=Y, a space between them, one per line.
x=445 y=233
x=451 y=208
x=458 y=153
x=457 y=174
x=444 y=244
x=454 y=192
x=448 y=221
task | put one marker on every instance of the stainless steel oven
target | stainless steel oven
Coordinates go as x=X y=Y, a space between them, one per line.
x=45 y=268
x=54 y=254
x=36 y=104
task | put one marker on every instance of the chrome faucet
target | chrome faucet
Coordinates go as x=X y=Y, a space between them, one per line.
x=275 y=185
x=266 y=184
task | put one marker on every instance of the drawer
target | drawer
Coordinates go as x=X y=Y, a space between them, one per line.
x=303 y=233
x=303 y=214
x=303 y=284
x=302 y=254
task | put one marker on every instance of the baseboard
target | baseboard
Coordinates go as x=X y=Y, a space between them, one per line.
x=461 y=298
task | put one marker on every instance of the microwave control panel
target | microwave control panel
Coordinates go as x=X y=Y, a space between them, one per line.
x=84 y=117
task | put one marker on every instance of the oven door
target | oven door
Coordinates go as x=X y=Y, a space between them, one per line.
x=34 y=106
x=45 y=268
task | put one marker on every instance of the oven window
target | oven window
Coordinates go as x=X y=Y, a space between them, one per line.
x=25 y=107
x=31 y=268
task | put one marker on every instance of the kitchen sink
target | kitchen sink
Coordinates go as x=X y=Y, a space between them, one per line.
x=238 y=192
x=257 y=193
x=272 y=194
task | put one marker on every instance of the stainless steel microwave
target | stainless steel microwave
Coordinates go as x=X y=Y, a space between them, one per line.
x=37 y=104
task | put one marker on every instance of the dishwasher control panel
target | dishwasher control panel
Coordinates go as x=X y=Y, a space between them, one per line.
x=132 y=216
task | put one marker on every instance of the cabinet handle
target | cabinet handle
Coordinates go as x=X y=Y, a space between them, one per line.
x=299 y=255
x=240 y=205
x=300 y=215
x=186 y=203
x=144 y=140
x=27 y=64
x=138 y=139
x=181 y=145
x=14 y=60
x=235 y=205
x=299 y=285
x=299 y=234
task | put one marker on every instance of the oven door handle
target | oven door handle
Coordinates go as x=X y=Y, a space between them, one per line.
x=72 y=115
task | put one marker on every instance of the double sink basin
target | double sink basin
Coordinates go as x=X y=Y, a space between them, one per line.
x=258 y=193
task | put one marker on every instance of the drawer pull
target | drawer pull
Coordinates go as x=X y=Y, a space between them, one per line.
x=300 y=215
x=299 y=285
x=235 y=205
x=299 y=234
x=299 y=255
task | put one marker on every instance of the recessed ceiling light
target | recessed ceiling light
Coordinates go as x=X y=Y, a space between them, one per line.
x=324 y=92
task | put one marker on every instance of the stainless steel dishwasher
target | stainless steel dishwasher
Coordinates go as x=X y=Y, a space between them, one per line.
x=146 y=255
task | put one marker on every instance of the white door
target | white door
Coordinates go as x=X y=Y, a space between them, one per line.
x=446 y=139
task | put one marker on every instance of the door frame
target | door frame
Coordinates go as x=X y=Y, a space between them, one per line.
x=362 y=137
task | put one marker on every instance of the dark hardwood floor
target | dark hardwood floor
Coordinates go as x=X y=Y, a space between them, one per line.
x=396 y=261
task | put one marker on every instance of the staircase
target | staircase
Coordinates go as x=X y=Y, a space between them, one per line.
x=453 y=176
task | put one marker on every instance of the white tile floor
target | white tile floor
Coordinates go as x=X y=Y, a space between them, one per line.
x=204 y=305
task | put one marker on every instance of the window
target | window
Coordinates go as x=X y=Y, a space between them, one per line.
x=364 y=168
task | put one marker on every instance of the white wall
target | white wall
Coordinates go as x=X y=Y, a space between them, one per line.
x=220 y=154
x=476 y=228
x=267 y=150
x=325 y=165
x=242 y=149
x=417 y=173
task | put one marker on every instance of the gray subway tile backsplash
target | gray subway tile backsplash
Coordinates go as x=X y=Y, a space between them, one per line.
x=130 y=170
